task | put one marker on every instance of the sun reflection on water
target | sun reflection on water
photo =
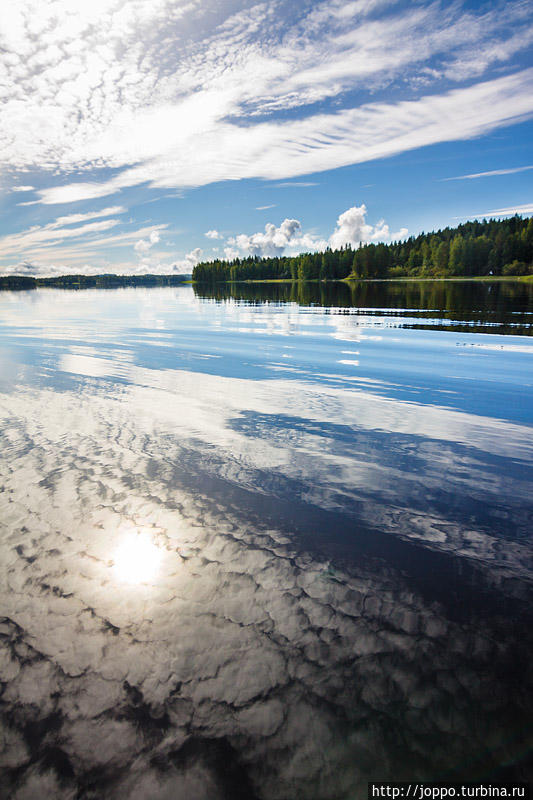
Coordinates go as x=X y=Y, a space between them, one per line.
x=137 y=559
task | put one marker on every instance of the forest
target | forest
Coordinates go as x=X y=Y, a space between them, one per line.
x=488 y=247
x=90 y=281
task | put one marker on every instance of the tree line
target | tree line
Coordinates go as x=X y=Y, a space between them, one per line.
x=488 y=247
x=90 y=281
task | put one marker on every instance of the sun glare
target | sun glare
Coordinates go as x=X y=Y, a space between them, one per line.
x=137 y=559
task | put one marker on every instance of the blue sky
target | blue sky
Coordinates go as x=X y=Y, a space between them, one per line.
x=144 y=136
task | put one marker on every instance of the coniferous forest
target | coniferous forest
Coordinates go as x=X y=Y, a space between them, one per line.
x=490 y=247
x=89 y=281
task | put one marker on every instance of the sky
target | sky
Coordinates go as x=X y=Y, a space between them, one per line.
x=145 y=135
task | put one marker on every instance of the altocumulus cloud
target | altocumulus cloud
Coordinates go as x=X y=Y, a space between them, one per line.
x=177 y=94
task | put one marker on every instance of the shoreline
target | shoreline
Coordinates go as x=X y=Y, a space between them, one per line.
x=73 y=282
x=410 y=279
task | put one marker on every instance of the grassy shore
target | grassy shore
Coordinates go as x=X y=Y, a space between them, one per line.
x=457 y=279
x=405 y=279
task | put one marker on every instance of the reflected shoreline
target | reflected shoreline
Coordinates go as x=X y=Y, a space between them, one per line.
x=499 y=307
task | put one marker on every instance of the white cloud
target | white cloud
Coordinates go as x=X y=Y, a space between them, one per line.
x=265 y=208
x=276 y=149
x=76 y=263
x=71 y=219
x=472 y=63
x=295 y=184
x=45 y=243
x=510 y=211
x=38 y=237
x=103 y=96
x=490 y=173
x=273 y=241
x=183 y=266
x=351 y=228
x=22 y=188
x=143 y=245
x=75 y=192
x=192 y=258
x=174 y=94
x=231 y=252
x=126 y=237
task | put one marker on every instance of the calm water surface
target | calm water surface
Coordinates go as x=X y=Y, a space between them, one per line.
x=264 y=542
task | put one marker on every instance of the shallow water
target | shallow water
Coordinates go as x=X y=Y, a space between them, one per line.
x=264 y=542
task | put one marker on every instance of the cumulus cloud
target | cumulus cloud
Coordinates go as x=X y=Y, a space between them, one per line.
x=351 y=228
x=55 y=248
x=36 y=268
x=61 y=261
x=154 y=264
x=181 y=266
x=273 y=241
x=157 y=266
x=143 y=245
x=26 y=268
x=213 y=234
x=192 y=258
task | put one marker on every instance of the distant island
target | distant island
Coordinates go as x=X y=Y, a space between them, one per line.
x=90 y=281
x=473 y=249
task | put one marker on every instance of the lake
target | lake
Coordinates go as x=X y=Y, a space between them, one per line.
x=265 y=541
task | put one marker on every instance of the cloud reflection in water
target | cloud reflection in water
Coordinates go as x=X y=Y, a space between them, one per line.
x=341 y=586
x=137 y=559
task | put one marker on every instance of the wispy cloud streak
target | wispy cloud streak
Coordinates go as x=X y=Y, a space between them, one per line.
x=490 y=173
x=510 y=211
x=272 y=150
